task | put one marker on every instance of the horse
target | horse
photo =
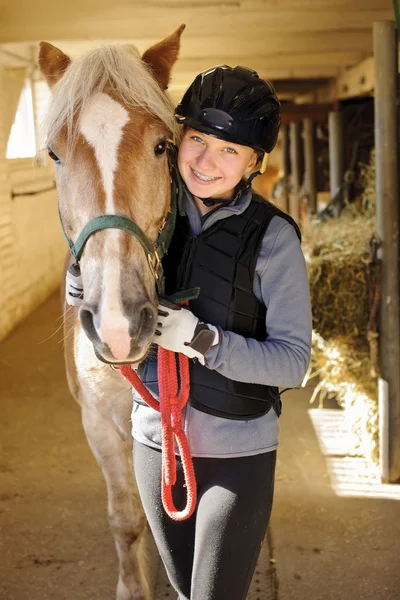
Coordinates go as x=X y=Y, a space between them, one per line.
x=107 y=129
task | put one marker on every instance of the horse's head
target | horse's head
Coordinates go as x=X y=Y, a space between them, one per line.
x=107 y=131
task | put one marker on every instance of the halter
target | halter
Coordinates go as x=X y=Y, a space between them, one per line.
x=153 y=251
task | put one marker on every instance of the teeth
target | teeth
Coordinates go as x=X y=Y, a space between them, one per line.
x=204 y=177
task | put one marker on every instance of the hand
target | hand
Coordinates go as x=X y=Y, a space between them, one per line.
x=74 y=286
x=180 y=331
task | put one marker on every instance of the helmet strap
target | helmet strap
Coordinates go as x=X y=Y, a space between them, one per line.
x=252 y=176
x=213 y=201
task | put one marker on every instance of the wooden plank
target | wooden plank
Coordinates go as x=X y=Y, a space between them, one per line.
x=312 y=42
x=358 y=80
x=264 y=61
x=127 y=20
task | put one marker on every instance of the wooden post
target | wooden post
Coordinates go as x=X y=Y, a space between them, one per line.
x=310 y=164
x=295 y=162
x=336 y=152
x=387 y=199
x=286 y=168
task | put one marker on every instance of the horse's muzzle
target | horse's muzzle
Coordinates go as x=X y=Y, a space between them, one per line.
x=116 y=344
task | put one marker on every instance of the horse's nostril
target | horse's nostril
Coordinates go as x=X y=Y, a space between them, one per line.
x=143 y=324
x=87 y=319
x=148 y=316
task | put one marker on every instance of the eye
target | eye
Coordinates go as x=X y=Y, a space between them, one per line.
x=196 y=138
x=230 y=150
x=160 y=148
x=53 y=156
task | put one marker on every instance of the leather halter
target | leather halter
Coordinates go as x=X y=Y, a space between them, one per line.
x=154 y=251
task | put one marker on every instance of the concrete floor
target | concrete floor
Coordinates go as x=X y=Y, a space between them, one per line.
x=335 y=528
x=55 y=542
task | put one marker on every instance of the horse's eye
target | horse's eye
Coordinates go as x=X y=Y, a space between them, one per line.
x=53 y=156
x=160 y=147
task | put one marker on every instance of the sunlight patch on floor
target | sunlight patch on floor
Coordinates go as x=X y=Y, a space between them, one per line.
x=351 y=476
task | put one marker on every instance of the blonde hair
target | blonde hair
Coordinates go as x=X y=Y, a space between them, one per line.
x=115 y=68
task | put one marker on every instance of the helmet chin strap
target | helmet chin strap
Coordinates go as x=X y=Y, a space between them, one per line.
x=213 y=201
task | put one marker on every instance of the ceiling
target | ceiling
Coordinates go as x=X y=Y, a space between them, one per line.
x=299 y=44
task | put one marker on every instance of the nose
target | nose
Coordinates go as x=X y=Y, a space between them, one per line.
x=206 y=159
x=142 y=322
x=118 y=338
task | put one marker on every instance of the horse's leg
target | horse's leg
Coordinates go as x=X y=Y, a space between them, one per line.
x=113 y=451
x=106 y=402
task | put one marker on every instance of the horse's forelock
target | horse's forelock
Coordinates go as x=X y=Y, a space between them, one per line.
x=115 y=68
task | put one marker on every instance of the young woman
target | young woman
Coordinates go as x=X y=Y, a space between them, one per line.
x=248 y=333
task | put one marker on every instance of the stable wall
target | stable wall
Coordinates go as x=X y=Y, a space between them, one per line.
x=32 y=247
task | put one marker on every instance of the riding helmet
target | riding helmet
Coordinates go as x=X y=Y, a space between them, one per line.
x=233 y=104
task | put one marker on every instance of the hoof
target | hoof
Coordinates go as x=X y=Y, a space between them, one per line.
x=135 y=593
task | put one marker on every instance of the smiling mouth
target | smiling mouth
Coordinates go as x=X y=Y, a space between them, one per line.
x=205 y=178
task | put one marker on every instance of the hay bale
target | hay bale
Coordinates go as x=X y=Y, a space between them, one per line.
x=337 y=253
x=344 y=373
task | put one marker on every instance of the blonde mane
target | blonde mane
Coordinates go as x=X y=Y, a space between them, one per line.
x=114 y=68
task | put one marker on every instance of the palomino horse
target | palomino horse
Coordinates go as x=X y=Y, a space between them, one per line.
x=107 y=131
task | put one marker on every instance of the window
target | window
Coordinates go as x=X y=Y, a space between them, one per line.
x=22 y=140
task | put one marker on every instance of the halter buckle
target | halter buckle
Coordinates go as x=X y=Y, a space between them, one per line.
x=154 y=263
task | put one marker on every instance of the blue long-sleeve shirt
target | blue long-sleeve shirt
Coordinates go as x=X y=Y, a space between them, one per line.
x=280 y=282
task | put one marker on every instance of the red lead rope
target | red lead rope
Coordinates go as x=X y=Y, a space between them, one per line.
x=172 y=400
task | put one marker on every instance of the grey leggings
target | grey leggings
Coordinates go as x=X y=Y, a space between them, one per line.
x=213 y=554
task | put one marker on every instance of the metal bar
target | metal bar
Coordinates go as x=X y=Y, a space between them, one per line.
x=336 y=152
x=383 y=407
x=387 y=201
x=286 y=167
x=310 y=164
x=295 y=161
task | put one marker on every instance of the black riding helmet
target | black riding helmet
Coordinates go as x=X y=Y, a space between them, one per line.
x=233 y=104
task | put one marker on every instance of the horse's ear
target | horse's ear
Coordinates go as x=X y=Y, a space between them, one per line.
x=162 y=56
x=52 y=62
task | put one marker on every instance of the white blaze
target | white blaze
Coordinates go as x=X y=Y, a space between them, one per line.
x=101 y=123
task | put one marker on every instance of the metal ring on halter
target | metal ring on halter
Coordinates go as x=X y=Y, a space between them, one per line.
x=154 y=263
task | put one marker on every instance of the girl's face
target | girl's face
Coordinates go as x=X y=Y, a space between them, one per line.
x=211 y=167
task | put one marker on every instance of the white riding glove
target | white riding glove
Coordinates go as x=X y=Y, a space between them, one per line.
x=179 y=330
x=74 y=286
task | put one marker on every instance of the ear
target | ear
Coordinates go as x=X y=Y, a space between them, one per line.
x=162 y=56
x=252 y=162
x=52 y=62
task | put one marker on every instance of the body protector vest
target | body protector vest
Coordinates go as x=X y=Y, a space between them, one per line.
x=221 y=261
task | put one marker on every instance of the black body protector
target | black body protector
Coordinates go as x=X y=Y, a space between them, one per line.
x=235 y=105
x=222 y=262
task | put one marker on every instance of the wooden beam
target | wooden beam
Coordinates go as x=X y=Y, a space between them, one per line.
x=298 y=112
x=179 y=85
x=122 y=19
x=272 y=60
x=358 y=80
x=292 y=87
